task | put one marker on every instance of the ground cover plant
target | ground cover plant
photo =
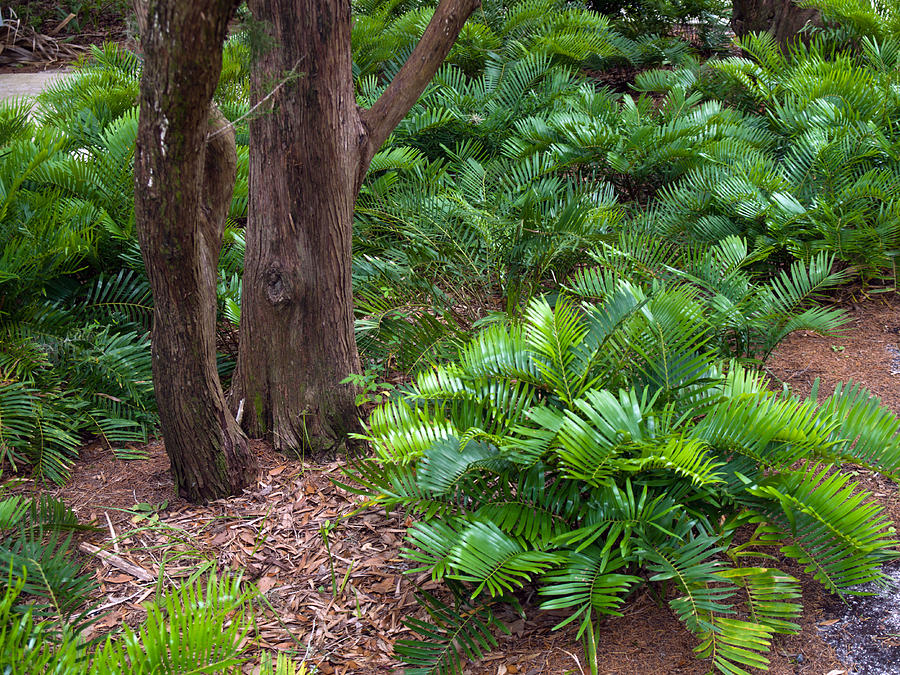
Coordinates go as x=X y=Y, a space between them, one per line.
x=202 y=626
x=579 y=284
x=595 y=447
x=74 y=354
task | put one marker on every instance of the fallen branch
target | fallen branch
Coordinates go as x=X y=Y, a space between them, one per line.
x=119 y=563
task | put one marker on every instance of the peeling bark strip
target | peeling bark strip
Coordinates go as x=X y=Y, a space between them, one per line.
x=184 y=178
x=308 y=156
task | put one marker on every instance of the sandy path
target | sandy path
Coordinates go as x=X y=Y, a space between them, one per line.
x=27 y=84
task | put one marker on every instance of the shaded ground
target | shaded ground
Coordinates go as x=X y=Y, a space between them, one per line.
x=274 y=534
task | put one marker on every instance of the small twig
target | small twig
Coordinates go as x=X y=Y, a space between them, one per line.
x=240 y=413
x=129 y=568
x=112 y=532
x=575 y=658
x=265 y=98
x=62 y=24
x=144 y=592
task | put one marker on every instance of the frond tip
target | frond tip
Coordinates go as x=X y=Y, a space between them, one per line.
x=455 y=632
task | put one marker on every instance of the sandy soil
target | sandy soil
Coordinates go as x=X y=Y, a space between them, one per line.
x=27 y=84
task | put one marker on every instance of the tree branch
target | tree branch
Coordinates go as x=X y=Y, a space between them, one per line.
x=406 y=87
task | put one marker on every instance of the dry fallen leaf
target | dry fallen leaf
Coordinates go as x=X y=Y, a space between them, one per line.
x=829 y=622
x=267 y=583
x=119 y=579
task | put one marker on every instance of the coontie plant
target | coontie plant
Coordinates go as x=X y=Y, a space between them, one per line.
x=46 y=606
x=197 y=628
x=594 y=448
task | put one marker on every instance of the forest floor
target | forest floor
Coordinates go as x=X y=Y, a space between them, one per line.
x=345 y=618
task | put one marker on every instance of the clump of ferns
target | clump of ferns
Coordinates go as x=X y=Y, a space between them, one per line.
x=603 y=444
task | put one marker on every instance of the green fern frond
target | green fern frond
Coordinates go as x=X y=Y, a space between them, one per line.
x=588 y=584
x=198 y=627
x=453 y=633
x=838 y=532
x=446 y=463
x=494 y=562
x=866 y=431
x=769 y=594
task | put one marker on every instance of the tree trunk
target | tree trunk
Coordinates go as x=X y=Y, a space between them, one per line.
x=184 y=176
x=296 y=332
x=782 y=18
x=310 y=146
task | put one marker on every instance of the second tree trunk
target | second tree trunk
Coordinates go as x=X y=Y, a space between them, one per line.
x=296 y=335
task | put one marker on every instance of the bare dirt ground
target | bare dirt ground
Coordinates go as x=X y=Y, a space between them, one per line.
x=273 y=534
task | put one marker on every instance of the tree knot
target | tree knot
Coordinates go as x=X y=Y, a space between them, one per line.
x=277 y=291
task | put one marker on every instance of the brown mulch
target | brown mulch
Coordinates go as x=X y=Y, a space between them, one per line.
x=867 y=351
x=273 y=534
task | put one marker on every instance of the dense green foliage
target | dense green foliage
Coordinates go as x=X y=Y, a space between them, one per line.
x=36 y=556
x=74 y=304
x=580 y=282
x=512 y=170
x=196 y=628
x=604 y=444
x=605 y=437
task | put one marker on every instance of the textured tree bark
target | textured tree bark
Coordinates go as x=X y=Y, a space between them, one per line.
x=296 y=337
x=184 y=176
x=782 y=18
x=310 y=146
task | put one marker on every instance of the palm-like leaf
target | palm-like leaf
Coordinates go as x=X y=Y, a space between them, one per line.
x=495 y=562
x=454 y=632
x=197 y=628
x=838 y=532
x=589 y=584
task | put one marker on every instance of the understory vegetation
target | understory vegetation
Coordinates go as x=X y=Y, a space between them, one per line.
x=200 y=627
x=574 y=285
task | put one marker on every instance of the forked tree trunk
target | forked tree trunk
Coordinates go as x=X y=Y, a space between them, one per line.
x=310 y=146
x=782 y=18
x=184 y=176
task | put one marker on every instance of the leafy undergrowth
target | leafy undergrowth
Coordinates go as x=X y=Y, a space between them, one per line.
x=298 y=579
x=273 y=534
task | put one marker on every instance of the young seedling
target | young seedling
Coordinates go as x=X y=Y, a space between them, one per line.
x=325 y=531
